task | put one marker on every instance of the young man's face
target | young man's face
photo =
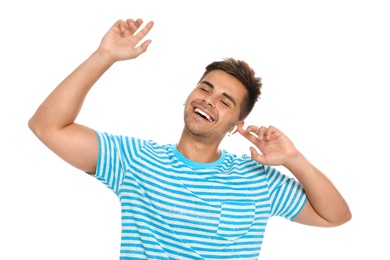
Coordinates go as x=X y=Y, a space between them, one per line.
x=212 y=109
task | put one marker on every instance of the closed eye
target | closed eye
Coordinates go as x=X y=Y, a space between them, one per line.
x=224 y=103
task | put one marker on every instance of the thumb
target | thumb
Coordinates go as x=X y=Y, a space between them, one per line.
x=255 y=155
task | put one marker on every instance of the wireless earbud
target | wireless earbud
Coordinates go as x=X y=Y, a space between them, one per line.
x=233 y=131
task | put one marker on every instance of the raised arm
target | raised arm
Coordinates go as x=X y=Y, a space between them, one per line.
x=54 y=121
x=326 y=206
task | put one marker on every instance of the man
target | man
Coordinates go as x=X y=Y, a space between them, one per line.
x=189 y=200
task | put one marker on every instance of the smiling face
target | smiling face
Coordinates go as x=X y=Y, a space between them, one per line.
x=212 y=109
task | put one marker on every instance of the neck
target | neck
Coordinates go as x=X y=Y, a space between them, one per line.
x=198 y=150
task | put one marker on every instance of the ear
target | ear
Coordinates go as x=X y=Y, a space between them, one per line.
x=240 y=124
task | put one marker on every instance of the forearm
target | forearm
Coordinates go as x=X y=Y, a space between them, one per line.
x=63 y=105
x=321 y=192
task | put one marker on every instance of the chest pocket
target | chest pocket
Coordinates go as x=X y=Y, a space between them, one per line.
x=236 y=219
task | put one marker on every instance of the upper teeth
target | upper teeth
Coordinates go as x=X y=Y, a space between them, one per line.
x=197 y=110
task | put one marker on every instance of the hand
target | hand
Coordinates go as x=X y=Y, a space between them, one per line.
x=275 y=147
x=122 y=40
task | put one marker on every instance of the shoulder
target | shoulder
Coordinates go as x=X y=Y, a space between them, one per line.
x=130 y=144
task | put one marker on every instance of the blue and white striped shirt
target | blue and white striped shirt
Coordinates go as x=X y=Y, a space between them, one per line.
x=174 y=208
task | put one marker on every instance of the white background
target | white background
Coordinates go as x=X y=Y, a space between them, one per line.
x=325 y=67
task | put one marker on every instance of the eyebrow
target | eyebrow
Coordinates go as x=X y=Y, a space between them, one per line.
x=224 y=93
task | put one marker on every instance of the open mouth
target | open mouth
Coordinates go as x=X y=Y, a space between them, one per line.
x=204 y=114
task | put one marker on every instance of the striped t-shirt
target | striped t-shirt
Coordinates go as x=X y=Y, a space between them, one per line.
x=174 y=208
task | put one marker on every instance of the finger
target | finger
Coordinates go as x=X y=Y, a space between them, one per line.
x=121 y=25
x=129 y=21
x=270 y=131
x=138 y=22
x=253 y=129
x=141 y=34
x=132 y=26
x=258 y=157
x=260 y=132
x=143 y=47
x=249 y=133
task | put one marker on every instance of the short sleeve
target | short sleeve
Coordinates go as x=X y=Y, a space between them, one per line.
x=110 y=167
x=286 y=194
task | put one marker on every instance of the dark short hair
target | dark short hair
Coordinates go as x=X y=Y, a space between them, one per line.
x=246 y=75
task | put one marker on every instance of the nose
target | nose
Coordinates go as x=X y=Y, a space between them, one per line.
x=210 y=100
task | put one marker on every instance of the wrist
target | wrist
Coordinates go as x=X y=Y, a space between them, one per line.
x=296 y=161
x=104 y=56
